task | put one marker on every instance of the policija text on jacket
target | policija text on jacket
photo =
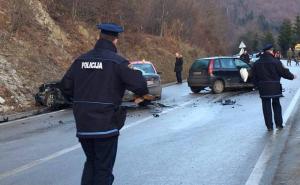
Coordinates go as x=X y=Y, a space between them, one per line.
x=96 y=82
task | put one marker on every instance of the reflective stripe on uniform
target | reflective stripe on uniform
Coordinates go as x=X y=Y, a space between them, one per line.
x=94 y=102
x=272 y=96
x=269 y=81
x=97 y=133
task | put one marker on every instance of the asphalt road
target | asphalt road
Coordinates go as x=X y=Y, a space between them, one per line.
x=197 y=141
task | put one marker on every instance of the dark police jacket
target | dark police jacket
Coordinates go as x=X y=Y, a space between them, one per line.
x=267 y=72
x=96 y=82
x=178 y=64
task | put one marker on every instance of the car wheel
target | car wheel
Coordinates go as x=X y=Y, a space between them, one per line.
x=196 y=89
x=218 y=87
x=50 y=99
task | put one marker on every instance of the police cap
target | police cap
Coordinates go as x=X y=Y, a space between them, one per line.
x=268 y=47
x=110 y=29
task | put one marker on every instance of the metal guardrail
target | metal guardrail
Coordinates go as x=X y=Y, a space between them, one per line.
x=11 y=117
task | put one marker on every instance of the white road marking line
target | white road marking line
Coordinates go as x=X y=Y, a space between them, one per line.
x=75 y=147
x=37 y=162
x=261 y=164
x=291 y=107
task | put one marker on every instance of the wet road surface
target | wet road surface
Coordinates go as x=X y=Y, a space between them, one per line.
x=196 y=142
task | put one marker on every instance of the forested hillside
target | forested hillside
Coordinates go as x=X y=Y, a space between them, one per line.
x=259 y=21
x=40 y=38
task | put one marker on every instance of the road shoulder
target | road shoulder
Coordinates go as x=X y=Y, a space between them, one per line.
x=288 y=171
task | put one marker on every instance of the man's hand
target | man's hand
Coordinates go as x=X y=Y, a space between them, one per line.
x=147 y=97
x=138 y=100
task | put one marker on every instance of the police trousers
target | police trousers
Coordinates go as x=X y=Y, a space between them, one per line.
x=100 y=158
x=267 y=110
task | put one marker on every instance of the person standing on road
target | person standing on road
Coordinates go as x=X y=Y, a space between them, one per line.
x=178 y=67
x=289 y=57
x=267 y=72
x=96 y=82
x=245 y=57
x=296 y=58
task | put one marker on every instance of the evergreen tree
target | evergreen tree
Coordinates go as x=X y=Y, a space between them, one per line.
x=268 y=38
x=285 y=36
x=255 y=43
x=296 y=38
x=263 y=23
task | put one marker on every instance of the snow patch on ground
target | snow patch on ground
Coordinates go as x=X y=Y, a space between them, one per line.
x=2 y=101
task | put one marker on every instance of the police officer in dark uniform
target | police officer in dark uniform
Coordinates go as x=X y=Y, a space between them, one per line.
x=267 y=72
x=96 y=82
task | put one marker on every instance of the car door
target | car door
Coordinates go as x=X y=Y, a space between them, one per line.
x=241 y=64
x=230 y=72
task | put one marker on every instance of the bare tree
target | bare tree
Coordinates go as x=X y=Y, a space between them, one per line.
x=199 y=22
x=75 y=6
x=20 y=15
x=163 y=17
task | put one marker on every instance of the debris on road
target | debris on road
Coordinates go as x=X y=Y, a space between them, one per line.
x=154 y=107
x=155 y=115
x=228 y=102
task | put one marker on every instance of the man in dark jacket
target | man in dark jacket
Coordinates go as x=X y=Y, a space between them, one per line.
x=178 y=67
x=96 y=82
x=245 y=57
x=267 y=72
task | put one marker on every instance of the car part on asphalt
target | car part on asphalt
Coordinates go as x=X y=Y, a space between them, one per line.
x=154 y=107
x=228 y=102
x=196 y=89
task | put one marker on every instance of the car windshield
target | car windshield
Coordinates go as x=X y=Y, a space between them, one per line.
x=145 y=68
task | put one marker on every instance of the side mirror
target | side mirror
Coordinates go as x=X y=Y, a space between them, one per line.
x=159 y=72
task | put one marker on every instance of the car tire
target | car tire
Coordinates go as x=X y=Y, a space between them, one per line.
x=196 y=89
x=218 y=87
x=50 y=99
